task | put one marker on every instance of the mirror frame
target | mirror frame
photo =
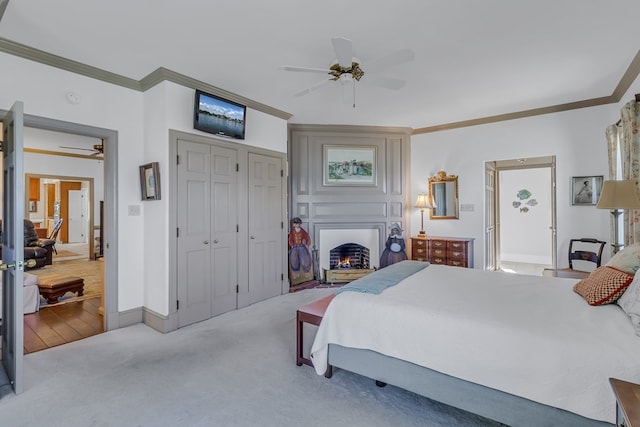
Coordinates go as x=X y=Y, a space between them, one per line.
x=442 y=177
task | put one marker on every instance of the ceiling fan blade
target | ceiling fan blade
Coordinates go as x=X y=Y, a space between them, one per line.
x=343 y=49
x=312 y=88
x=305 y=69
x=394 y=58
x=76 y=148
x=386 y=82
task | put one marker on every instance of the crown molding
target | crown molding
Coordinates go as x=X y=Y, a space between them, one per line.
x=158 y=76
x=630 y=75
x=163 y=74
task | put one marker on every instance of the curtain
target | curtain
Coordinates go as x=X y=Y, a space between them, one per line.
x=630 y=154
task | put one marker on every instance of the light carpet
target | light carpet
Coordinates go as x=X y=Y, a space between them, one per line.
x=237 y=369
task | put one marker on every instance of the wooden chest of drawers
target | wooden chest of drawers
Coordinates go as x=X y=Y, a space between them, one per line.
x=455 y=251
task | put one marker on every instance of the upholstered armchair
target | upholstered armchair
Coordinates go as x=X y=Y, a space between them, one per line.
x=33 y=243
x=40 y=250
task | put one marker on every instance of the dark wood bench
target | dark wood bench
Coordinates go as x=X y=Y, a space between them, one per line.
x=53 y=287
x=311 y=313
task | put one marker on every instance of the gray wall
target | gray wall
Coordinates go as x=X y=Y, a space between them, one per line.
x=322 y=206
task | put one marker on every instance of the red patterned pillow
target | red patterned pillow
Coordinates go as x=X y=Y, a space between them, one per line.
x=604 y=285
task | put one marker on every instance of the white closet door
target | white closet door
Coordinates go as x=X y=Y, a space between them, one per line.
x=194 y=232
x=266 y=252
x=224 y=229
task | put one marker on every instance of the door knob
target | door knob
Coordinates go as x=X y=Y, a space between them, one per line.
x=215 y=241
x=251 y=237
x=206 y=242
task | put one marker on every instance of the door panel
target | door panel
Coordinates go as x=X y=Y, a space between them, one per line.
x=224 y=218
x=77 y=217
x=12 y=247
x=265 y=227
x=194 y=250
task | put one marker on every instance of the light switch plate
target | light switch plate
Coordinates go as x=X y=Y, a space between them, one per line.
x=467 y=207
x=134 y=210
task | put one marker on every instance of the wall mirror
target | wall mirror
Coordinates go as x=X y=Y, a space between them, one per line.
x=444 y=193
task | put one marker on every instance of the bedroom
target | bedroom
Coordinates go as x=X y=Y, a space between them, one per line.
x=141 y=119
x=576 y=137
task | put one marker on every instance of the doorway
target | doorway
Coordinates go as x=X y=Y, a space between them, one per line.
x=67 y=200
x=520 y=215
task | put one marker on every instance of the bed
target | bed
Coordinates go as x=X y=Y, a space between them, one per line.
x=521 y=350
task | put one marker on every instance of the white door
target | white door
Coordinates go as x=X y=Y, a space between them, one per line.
x=207 y=212
x=77 y=215
x=224 y=229
x=12 y=248
x=266 y=273
x=194 y=232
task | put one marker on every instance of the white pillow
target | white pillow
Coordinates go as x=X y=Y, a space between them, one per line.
x=627 y=259
x=630 y=302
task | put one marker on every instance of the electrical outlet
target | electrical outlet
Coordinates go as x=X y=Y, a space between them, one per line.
x=134 y=210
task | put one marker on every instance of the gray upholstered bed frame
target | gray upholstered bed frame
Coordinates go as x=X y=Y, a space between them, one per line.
x=487 y=402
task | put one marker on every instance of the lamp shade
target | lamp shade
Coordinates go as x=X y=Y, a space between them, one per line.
x=619 y=195
x=424 y=202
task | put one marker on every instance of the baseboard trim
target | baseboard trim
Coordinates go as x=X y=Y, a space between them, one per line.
x=158 y=321
x=129 y=317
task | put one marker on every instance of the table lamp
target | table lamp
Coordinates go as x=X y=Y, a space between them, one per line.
x=618 y=195
x=423 y=202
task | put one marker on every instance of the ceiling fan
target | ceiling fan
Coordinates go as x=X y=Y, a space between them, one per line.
x=348 y=69
x=98 y=149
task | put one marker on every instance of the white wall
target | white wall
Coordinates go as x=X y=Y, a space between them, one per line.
x=170 y=106
x=142 y=121
x=43 y=90
x=575 y=137
x=525 y=234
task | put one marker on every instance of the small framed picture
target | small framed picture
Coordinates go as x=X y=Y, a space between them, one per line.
x=150 y=181
x=33 y=206
x=585 y=190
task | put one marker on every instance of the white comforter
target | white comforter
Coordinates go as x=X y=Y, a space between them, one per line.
x=526 y=335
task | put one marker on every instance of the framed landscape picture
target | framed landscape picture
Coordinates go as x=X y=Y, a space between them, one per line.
x=349 y=165
x=585 y=190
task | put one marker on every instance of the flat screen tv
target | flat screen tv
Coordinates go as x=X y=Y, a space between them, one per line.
x=218 y=116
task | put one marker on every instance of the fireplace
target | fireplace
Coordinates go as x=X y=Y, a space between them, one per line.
x=369 y=237
x=349 y=255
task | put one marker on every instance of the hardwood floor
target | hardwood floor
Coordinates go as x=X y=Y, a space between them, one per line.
x=61 y=324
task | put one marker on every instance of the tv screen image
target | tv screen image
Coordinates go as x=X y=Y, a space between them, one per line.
x=219 y=116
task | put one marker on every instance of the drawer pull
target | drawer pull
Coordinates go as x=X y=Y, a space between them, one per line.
x=456 y=245
x=420 y=251
x=438 y=251
x=436 y=243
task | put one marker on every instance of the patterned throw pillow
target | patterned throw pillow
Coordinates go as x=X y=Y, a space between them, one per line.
x=603 y=286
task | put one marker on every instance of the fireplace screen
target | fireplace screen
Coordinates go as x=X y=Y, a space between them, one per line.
x=349 y=255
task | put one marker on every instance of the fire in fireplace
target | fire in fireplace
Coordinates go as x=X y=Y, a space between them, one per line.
x=349 y=256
